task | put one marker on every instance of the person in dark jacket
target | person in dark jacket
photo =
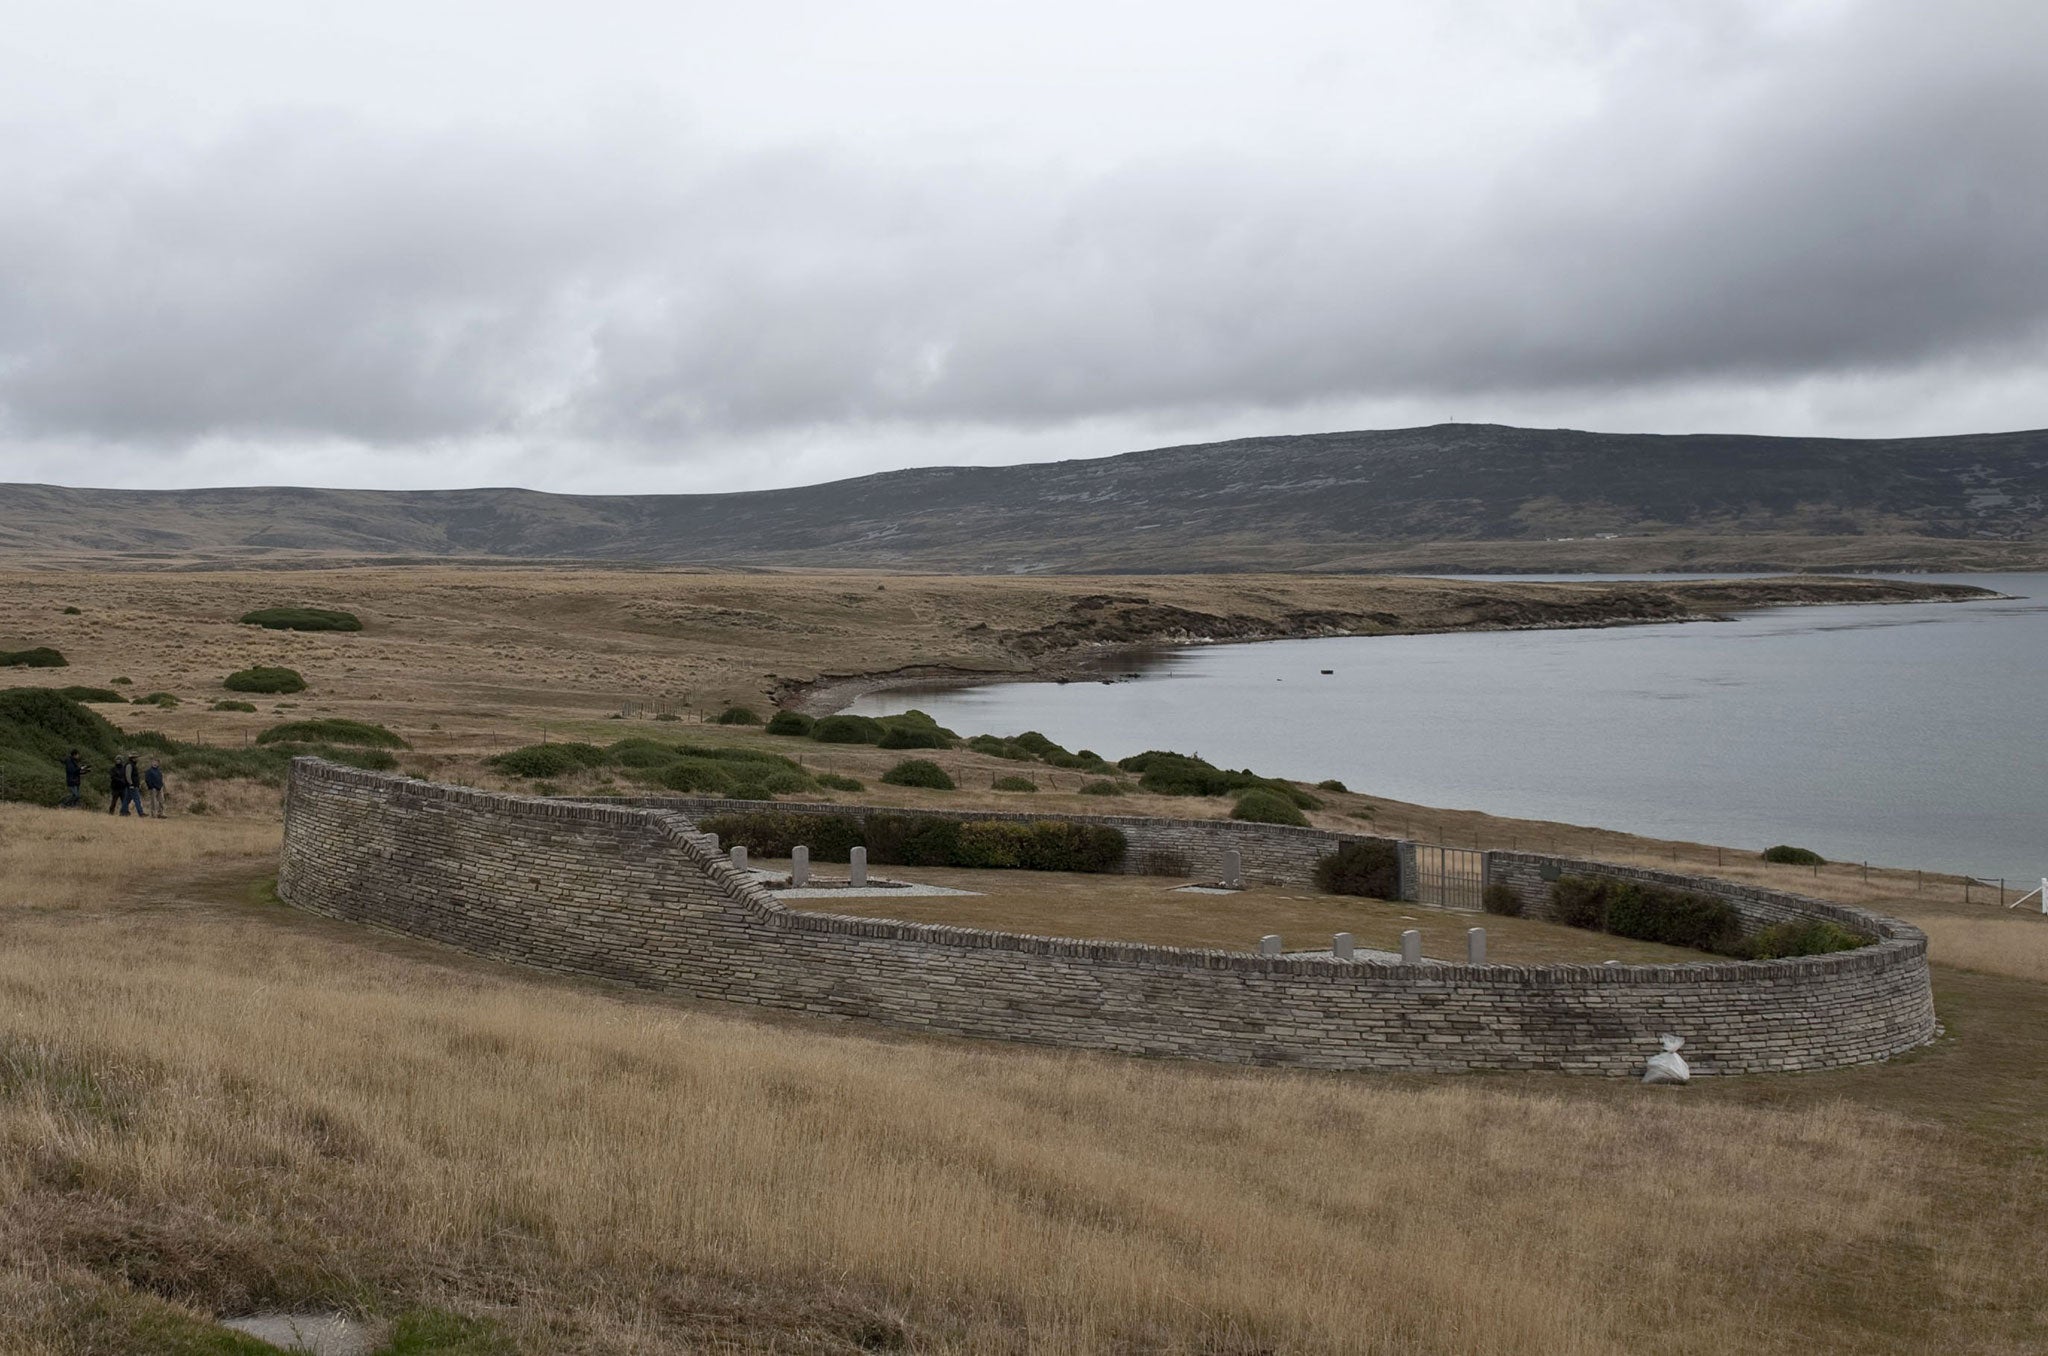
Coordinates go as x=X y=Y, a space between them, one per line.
x=153 y=782
x=117 y=783
x=74 y=778
x=134 y=788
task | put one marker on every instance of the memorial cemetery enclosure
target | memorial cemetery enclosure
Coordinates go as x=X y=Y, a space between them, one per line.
x=637 y=894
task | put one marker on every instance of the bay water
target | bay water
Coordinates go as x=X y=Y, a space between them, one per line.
x=1907 y=735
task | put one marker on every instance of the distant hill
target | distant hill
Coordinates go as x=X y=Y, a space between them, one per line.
x=1455 y=496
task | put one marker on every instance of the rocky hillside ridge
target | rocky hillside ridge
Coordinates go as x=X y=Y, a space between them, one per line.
x=1448 y=497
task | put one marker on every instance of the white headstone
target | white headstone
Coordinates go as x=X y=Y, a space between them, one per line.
x=1475 y=946
x=1269 y=945
x=738 y=856
x=714 y=841
x=1342 y=947
x=1233 y=870
x=799 y=865
x=857 y=867
x=1411 y=947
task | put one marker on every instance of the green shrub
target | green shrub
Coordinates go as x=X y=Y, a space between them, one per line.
x=1371 y=869
x=790 y=723
x=1260 y=806
x=1013 y=784
x=1802 y=937
x=913 y=737
x=919 y=772
x=91 y=694
x=1579 y=902
x=1501 y=900
x=1105 y=788
x=1787 y=855
x=229 y=704
x=41 y=657
x=122 y=682
x=541 y=760
x=639 y=752
x=1001 y=748
x=737 y=715
x=719 y=753
x=37 y=728
x=262 y=679
x=336 y=730
x=302 y=619
x=73 y=612
x=1332 y=784
x=847 y=730
x=1649 y=913
x=909 y=840
x=832 y=781
x=1176 y=774
x=163 y=699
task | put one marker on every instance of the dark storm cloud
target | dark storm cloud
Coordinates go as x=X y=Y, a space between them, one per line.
x=1731 y=203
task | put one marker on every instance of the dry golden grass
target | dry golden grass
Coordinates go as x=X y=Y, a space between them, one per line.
x=233 y=1103
x=2014 y=944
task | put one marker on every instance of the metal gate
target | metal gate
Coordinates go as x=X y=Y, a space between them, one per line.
x=1448 y=877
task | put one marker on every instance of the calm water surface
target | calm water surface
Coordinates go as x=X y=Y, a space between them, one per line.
x=1914 y=735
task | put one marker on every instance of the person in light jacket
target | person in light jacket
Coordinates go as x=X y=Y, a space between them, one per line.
x=153 y=783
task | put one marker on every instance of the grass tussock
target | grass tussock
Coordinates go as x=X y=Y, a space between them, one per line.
x=246 y=1111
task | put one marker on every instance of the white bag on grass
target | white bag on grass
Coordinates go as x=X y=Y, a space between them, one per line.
x=1668 y=1067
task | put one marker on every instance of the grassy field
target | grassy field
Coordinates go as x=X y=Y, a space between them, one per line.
x=216 y=1101
x=211 y=1103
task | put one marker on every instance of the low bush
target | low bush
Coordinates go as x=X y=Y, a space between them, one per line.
x=230 y=704
x=847 y=730
x=919 y=772
x=102 y=695
x=302 y=619
x=737 y=715
x=1786 y=855
x=996 y=747
x=1649 y=913
x=832 y=781
x=1371 y=869
x=73 y=612
x=41 y=657
x=1260 y=806
x=913 y=737
x=1501 y=900
x=1332 y=784
x=163 y=699
x=262 y=678
x=1802 y=937
x=122 y=682
x=790 y=723
x=1177 y=774
x=639 y=752
x=908 y=840
x=545 y=760
x=1106 y=788
x=37 y=728
x=336 y=730
x=1013 y=784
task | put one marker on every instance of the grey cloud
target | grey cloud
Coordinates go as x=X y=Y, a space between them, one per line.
x=1737 y=204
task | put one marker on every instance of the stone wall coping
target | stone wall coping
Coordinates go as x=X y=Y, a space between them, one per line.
x=1899 y=943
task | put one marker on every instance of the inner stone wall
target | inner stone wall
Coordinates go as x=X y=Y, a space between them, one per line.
x=1273 y=854
x=636 y=895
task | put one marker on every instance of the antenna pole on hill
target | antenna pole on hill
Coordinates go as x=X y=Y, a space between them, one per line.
x=2040 y=894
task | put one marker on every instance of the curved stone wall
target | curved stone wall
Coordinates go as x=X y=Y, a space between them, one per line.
x=636 y=895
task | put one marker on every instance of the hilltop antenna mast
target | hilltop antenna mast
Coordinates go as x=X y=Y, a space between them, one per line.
x=2040 y=894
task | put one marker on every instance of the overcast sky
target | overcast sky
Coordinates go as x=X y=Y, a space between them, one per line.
x=618 y=246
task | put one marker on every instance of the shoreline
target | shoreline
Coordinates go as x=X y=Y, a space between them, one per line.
x=831 y=693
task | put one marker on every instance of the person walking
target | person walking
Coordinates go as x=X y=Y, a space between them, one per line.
x=74 y=779
x=117 y=783
x=153 y=782
x=134 y=788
